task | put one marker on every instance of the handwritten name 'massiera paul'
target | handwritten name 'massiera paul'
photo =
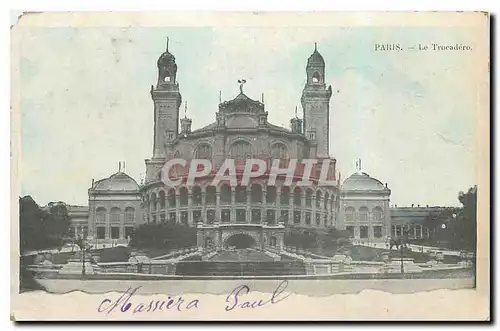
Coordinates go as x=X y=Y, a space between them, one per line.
x=238 y=298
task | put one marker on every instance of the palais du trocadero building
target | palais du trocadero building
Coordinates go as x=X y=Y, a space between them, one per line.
x=241 y=130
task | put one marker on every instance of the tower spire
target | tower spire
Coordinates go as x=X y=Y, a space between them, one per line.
x=185 y=109
x=315 y=47
x=358 y=165
x=220 y=96
x=167 y=43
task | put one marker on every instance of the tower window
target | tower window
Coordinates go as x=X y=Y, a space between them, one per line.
x=167 y=79
x=316 y=77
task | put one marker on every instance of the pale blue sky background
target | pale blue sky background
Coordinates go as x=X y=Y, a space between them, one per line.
x=410 y=116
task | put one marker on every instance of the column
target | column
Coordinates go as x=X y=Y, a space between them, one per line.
x=278 y=203
x=203 y=207
x=177 y=206
x=249 y=204
x=370 y=227
x=107 y=226
x=313 y=212
x=414 y=231
x=263 y=211
x=232 y=207
x=217 y=205
x=291 y=209
x=421 y=231
x=302 y=206
x=190 y=205
x=122 y=225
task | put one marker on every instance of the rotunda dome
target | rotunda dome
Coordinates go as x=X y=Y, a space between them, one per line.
x=119 y=181
x=361 y=181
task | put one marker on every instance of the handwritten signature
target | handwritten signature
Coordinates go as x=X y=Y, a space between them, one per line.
x=237 y=298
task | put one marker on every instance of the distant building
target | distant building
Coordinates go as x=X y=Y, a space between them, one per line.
x=114 y=209
x=364 y=207
x=79 y=216
x=412 y=219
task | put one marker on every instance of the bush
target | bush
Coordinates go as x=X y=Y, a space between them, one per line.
x=164 y=235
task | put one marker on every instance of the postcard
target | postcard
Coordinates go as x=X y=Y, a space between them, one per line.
x=250 y=166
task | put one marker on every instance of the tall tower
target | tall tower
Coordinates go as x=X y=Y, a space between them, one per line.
x=316 y=104
x=167 y=100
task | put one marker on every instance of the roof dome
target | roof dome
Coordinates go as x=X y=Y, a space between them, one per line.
x=166 y=58
x=119 y=181
x=361 y=181
x=315 y=59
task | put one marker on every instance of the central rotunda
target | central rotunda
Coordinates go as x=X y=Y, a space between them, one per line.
x=252 y=215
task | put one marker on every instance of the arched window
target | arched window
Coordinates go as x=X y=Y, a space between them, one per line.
x=316 y=77
x=196 y=195
x=377 y=214
x=115 y=215
x=101 y=215
x=210 y=195
x=153 y=202
x=183 y=192
x=309 y=193
x=203 y=151
x=271 y=194
x=279 y=151
x=256 y=193
x=297 y=197
x=349 y=215
x=318 y=199
x=162 y=199
x=240 y=150
x=363 y=215
x=129 y=215
x=241 y=194
x=171 y=198
x=225 y=194
x=167 y=77
x=327 y=196
x=285 y=195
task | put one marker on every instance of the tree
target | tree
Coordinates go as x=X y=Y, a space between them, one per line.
x=460 y=224
x=435 y=220
x=41 y=228
x=58 y=222
x=465 y=230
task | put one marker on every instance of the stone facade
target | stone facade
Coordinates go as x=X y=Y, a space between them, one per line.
x=364 y=208
x=240 y=131
x=114 y=209
x=412 y=218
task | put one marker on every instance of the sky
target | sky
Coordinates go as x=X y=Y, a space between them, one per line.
x=409 y=116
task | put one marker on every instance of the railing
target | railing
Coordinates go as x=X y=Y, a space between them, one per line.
x=176 y=253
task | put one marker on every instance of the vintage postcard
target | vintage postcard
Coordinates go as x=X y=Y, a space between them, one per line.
x=250 y=166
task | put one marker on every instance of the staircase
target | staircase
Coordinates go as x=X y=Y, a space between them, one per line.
x=237 y=268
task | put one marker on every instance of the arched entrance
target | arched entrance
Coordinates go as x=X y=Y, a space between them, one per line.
x=240 y=241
